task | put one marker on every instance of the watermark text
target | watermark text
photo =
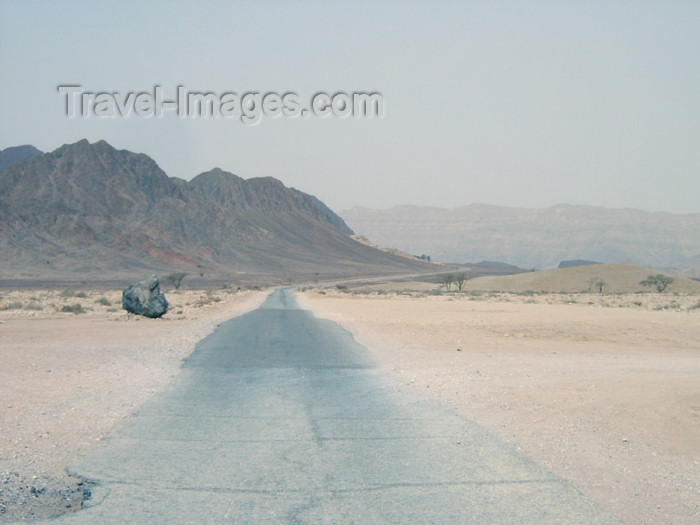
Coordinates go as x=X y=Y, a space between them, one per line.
x=249 y=107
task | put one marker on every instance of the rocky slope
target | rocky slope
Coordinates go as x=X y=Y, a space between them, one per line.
x=535 y=238
x=10 y=156
x=89 y=209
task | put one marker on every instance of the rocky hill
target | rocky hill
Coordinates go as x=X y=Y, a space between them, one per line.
x=10 y=156
x=90 y=210
x=535 y=238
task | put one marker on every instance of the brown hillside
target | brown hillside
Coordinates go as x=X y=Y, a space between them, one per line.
x=618 y=278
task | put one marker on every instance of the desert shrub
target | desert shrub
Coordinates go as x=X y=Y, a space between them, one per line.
x=75 y=308
x=104 y=301
x=207 y=299
x=670 y=306
x=175 y=279
x=34 y=305
x=14 y=305
x=695 y=306
x=72 y=293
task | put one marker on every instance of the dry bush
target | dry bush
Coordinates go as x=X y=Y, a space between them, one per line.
x=75 y=308
x=14 y=305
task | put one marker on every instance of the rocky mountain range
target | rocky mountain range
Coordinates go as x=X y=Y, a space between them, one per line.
x=535 y=238
x=87 y=210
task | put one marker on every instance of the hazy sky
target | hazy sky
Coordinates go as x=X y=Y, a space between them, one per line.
x=511 y=103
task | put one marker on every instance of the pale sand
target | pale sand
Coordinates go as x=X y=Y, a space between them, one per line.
x=66 y=379
x=608 y=398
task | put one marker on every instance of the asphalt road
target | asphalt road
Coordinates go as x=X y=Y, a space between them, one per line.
x=279 y=417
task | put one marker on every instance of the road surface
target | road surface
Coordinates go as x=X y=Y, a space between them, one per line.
x=279 y=417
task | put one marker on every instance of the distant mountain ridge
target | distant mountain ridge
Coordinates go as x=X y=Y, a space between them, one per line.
x=92 y=209
x=535 y=238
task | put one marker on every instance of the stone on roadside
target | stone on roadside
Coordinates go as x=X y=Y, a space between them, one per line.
x=145 y=298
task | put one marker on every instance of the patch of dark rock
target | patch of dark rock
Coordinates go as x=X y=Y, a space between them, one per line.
x=24 y=498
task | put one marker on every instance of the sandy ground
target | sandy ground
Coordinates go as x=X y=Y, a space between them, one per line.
x=67 y=378
x=606 y=395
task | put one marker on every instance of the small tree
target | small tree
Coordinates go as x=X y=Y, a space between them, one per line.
x=446 y=280
x=598 y=283
x=461 y=278
x=175 y=279
x=660 y=281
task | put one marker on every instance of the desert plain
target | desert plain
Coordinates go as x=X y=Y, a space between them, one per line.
x=602 y=389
